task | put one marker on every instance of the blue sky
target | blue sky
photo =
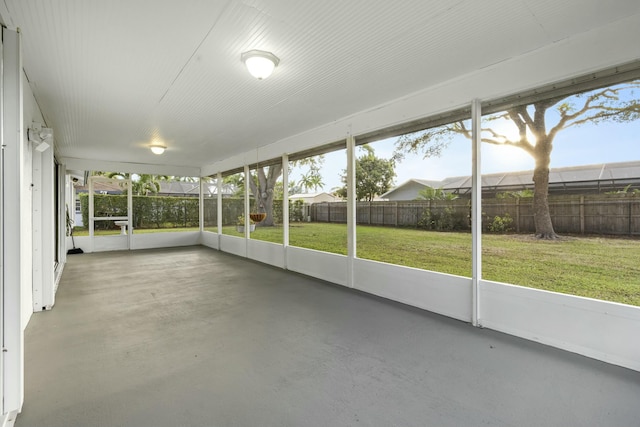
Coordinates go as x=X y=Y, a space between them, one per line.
x=588 y=144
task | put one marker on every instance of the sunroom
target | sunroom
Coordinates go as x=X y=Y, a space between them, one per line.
x=137 y=131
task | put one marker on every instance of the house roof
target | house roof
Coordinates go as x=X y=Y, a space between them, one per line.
x=576 y=177
x=309 y=195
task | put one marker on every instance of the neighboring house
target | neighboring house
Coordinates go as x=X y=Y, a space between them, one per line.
x=180 y=189
x=309 y=198
x=410 y=189
x=589 y=179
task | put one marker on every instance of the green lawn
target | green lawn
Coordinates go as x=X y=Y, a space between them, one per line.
x=596 y=267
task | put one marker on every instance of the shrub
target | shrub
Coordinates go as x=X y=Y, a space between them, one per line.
x=296 y=211
x=501 y=224
x=446 y=219
x=148 y=211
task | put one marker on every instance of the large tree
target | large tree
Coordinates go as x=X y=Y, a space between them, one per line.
x=537 y=126
x=374 y=176
x=264 y=179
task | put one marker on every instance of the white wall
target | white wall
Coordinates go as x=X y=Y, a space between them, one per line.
x=210 y=239
x=138 y=241
x=38 y=196
x=333 y=268
x=437 y=292
x=599 y=329
x=266 y=252
x=15 y=226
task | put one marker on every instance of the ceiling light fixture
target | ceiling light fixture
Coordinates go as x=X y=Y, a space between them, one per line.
x=157 y=148
x=260 y=63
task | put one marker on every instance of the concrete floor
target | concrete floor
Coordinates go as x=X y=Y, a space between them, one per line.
x=195 y=337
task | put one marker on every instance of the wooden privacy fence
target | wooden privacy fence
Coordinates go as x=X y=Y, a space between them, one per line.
x=591 y=214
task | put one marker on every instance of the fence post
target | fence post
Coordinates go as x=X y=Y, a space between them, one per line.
x=369 y=212
x=630 y=221
x=518 y=215
x=396 y=215
x=581 y=214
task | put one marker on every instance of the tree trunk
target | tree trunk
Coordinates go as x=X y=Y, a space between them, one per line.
x=541 y=214
x=263 y=192
x=267 y=204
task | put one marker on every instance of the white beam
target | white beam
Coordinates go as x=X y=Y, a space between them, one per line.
x=125 y=167
x=37 y=218
x=351 y=206
x=285 y=205
x=219 y=206
x=12 y=223
x=247 y=206
x=201 y=206
x=49 y=218
x=476 y=209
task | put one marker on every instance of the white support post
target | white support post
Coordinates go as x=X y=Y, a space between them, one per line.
x=13 y=217
x=219 y=206
x=129 y=213
x=351 y=207
x=247 y=206
x=285 y=206
x=43 y=220
x=476 y=209
x=37 y=222
x=70 y=202
x=91 y=214
x=201 y=207
x=62 y=214
x=48 y=228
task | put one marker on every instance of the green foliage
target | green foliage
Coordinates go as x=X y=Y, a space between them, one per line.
x=374 y=176
x=312 y=178
x=277 y=211
x=148 y=211
x=535 y=132
x=296 y=211
x=581 y=266
x=442 y=219
x=430 y=193
x=522 y=194
x=430 y=142
x=232 y=208
x=240 y=220
x=626 y=191
x=235 y=181
x=141 y=184
x=501 y=224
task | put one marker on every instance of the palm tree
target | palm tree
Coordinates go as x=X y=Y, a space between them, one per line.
x=141 y=185
x=430 y=193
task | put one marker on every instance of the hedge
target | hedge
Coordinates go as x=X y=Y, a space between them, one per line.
x=171 y=212
x=148 y=211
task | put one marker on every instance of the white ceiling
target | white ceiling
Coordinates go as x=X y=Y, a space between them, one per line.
x=110 y=76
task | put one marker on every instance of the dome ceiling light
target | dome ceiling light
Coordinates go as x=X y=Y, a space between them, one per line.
x=157 y=148
x=260 y=63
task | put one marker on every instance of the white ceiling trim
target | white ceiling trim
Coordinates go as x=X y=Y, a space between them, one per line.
x=108 y=166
